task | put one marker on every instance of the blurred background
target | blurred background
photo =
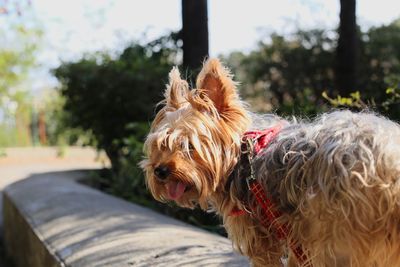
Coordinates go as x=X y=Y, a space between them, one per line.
x=89 y=72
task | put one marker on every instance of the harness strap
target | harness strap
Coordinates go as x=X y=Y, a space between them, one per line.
x=237 y=212
x=269 y=218
x=256 y=141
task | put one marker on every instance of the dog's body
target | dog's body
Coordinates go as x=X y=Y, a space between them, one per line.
x=336 y=180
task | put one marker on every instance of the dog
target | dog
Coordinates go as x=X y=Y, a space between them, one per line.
x=333 y=183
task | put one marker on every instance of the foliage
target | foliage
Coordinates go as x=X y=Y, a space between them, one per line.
x=8 y=136
x=287 y=72
x=380 y=68
x=355 y=101
x=16 y=119
x=393 y=96
x=18 y=59
x=57 y=129
x=104 y=94
x=291 y=73
x=18 y=46
x=128 y=181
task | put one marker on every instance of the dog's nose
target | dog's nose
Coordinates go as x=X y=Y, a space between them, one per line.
x=161 y=172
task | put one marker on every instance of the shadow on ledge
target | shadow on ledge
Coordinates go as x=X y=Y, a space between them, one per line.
x=51 y=220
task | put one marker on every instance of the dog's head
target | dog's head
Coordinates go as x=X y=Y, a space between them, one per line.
x=195 y=138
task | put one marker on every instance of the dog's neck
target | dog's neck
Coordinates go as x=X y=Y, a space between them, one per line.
x=235 y=191
x=236 y=181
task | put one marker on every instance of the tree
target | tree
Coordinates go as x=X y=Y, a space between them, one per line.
x=19 y=43
x=346 y=51
x=289 y=74
x=194 y=33
x=16 y=60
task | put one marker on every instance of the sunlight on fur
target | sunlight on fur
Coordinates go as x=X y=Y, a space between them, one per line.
x=335 y=179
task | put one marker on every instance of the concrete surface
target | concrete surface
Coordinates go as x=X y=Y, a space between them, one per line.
x=51 y=220
x=24 y=247
x=21 y=162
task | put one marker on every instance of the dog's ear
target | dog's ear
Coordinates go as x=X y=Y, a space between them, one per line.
x=216 y=82
x=177 y=89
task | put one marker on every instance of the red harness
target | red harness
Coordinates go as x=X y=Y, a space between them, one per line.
x=256 y=142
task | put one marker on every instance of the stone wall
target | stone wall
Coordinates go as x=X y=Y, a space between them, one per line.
x=51 y=220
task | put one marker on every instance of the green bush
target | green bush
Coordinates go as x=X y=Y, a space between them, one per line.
x=289 y=74
x=104 y=94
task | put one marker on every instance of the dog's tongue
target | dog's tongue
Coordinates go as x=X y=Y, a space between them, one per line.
x=175 y=189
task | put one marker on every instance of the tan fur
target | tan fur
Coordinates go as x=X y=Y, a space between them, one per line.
x=336 y=179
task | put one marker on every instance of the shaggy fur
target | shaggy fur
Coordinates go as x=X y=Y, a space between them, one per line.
x=336 y=180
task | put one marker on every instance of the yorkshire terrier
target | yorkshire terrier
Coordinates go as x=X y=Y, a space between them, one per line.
x=329 y=189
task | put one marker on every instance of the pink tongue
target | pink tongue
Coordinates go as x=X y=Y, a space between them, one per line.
x=175 y=189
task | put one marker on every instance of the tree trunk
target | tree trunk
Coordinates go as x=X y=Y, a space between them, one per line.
x=194 y=33
x=347 y=49
x=113 y=154
x=42 y=128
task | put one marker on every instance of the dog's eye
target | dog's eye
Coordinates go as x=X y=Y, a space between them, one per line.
x=188 y=147
x=185 y=146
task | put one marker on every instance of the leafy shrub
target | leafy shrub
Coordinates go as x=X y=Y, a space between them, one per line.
x=287 y=73
x=290 y=73
x=104 y=94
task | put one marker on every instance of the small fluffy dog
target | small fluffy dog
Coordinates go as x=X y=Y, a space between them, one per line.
x=334 y=182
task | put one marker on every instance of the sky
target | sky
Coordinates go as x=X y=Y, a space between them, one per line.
x=74 y=27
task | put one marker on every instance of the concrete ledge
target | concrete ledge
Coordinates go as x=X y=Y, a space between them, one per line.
x=51 y=220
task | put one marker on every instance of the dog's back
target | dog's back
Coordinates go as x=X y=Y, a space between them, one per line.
x=337 y=179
